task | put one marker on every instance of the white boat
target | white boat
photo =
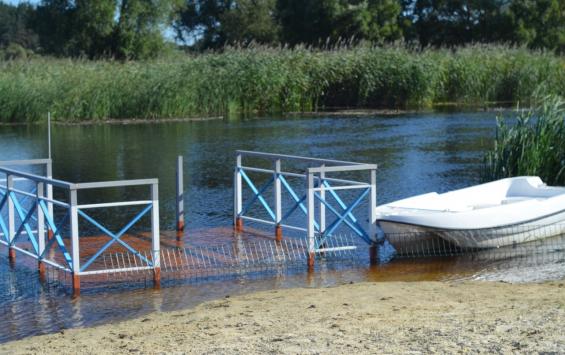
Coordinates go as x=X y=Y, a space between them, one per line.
x=495 y=214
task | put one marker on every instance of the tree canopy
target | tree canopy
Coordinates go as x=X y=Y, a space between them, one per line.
x=133 y=29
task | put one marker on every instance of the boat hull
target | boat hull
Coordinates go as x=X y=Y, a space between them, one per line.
x=406 y=237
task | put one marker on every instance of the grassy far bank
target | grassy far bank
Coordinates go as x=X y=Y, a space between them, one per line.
x=274 y=80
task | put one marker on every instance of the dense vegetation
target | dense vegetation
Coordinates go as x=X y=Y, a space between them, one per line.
x=261 y=79
x=532 y=145
x=134 y=29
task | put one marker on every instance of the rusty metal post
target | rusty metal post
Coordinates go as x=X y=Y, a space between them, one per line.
x=180 y=195
x=237 y=203
x=372 y=226
x=155 y=243
x=49 y=174
x=40 y=188
x=278 y=201
x=11 y=219
x=75 y=246
x=311 y=219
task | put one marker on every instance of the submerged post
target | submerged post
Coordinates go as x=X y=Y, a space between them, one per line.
x=49 y=174
x=237 y=205
x=40 y=230
x=11 y=218
x=180 y=195
x=278 y=202
x=372 y=227
x=311 y=220
x=155 y=243
x=75 y=247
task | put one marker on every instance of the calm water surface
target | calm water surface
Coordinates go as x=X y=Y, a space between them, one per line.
x=416 y=153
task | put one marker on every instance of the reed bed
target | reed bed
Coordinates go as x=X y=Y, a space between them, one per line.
x=534 y=144
x=268 y=80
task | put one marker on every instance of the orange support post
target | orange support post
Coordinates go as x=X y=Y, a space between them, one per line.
x=278 y=233
x=239 y=225
x=76 y=285
x=157 y=278
x=311 y=258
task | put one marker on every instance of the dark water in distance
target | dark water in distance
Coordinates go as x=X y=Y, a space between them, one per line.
x=416 y=153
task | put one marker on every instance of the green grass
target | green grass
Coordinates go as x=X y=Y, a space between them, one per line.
x=268 y=80
x=532 y=145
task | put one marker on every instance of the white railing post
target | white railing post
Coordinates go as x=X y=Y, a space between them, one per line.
x=155 y=235
x=323 y=197
x=372 y=227
x=50 y=195
x=311 y=219
x=11 y=217
x=180 y=194
x=75 y=246
x=278 y=201
x=237 y=205
x=40 y=190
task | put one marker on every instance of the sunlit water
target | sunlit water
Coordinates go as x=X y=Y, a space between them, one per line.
x=416 y=153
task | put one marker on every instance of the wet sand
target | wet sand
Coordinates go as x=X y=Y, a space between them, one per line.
x=383 y=317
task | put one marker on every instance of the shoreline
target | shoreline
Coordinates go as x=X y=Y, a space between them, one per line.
x=369 y=317
x=330 y=112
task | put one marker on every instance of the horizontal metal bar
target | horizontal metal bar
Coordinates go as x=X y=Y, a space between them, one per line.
x=54 y=264
x=348 y=187
x=115 y=204
x=330 y=169
x=108 y=271
x=55 y=202
x=323 y=250
x=23 y=251
x=21 y=192
x=46 y=261
x=286 y=173
x=119 y=183
x=258 y=220
x=293 y=227
x=37 y=178
x=24 y=162
x=269 y=171
x=273 y=156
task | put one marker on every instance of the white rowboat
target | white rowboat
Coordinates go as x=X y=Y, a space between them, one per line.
x=495 y=214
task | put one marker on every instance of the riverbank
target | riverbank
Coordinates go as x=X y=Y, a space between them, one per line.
x=390 y=317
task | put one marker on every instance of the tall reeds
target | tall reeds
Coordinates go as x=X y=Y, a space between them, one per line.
x=260 y=79
x=532 y=145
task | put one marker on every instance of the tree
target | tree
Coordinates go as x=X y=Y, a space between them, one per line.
x=14 y=27
x=317 y=21
x=539 y=24
x=456 y=22
x=121 y=29
x=214 y=23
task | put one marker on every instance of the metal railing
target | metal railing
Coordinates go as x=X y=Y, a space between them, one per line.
x=31 y=214
x=321 y=183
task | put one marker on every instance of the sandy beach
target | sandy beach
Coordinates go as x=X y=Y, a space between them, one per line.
x=384 y=317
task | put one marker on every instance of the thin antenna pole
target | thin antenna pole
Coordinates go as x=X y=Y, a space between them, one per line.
x=49 y=134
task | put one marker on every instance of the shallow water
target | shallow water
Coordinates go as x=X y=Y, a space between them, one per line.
x=416 y=153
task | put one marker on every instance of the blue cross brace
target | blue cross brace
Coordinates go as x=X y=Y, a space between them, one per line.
x=342 y=218
x=299 y=202
x=56 y=229
x=2 y=223
x=257 y=195
x=116 y=237
x=24 y=218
